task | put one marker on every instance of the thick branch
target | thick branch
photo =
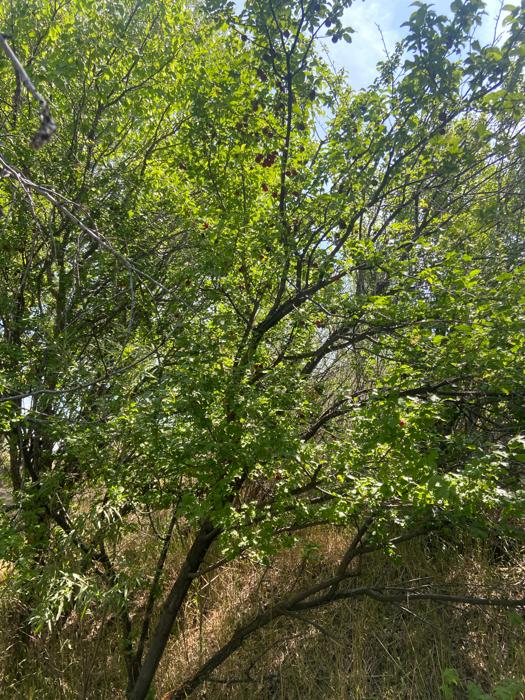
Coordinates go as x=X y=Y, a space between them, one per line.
x=292 y=606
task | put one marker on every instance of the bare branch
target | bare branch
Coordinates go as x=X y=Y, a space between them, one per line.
x=47 y=123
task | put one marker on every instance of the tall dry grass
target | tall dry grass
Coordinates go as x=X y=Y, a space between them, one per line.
x=360 y=650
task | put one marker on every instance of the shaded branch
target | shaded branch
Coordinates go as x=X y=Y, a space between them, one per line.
x=300 y=603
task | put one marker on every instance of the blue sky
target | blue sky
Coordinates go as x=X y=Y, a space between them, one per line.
x=361 y=56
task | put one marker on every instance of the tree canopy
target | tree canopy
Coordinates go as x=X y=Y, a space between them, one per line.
x=242 y=300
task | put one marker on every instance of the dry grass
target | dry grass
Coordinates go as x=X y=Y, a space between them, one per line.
x=360 y=650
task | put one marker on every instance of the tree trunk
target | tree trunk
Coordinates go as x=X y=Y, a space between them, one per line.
x=159 y=639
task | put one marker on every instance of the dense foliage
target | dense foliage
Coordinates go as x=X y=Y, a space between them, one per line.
x=242 y=299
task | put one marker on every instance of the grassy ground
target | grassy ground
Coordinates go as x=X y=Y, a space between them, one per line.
x=360 y=650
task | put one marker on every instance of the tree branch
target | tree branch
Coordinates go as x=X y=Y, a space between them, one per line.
x=47 y=125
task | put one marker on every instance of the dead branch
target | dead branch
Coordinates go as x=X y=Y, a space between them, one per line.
x=47 y=123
